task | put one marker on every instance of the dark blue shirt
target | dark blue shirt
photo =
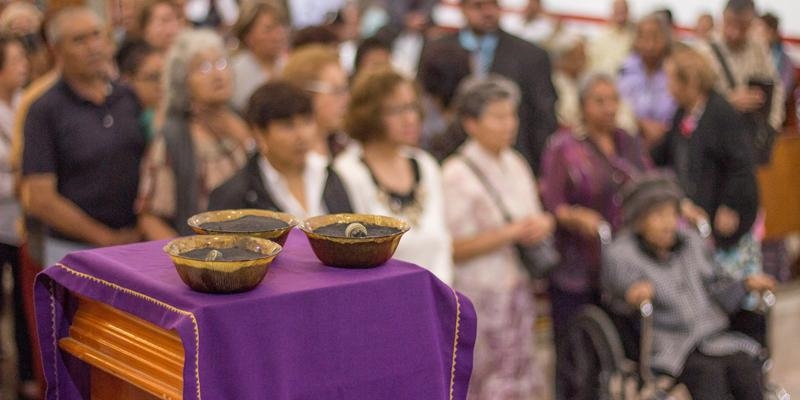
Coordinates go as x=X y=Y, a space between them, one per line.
x=94 y=150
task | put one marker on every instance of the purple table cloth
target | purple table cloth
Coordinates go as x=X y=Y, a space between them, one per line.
x=307 y=332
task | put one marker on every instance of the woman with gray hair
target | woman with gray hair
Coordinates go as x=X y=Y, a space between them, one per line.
x=492 y=205
x=583 y=171
x=202 y=141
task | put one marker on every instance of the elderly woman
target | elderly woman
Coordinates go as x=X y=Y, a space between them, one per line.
x=708 y=149
x=263 y=38
x=202 y=142
x=653 y=259
x=388 y=175
x=316 y=69
x=643 y=81
x=487 y=266
x=285 y=175
x=582 y=174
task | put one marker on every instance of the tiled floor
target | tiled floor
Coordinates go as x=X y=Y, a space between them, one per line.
x=785 y=339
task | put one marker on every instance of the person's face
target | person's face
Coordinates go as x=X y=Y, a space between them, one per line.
x=600 y=106
x=373 y=60
x=162 y=27
x=285 y=142
x=482 y=16
x=573 y=62
x=402 y=119
x=210 y=80
x=14 y=73
x=705 y=24
x=496 y=128
x=735 y=27
x=331 y=94
x=84 y=48
x=147 y=80
x=651 y=44
x=683 y=93
x=619 y=12
x=534 y=8
x=659 y=226
x=267 y=38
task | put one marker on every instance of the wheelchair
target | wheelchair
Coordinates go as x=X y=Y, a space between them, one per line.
x=606 y=367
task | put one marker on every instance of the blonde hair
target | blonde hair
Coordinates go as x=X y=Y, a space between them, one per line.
x=304 y=65
x=18 y=9
x=692 y=68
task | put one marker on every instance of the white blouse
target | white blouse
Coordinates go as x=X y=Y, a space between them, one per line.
x=428 y=243
x=314 y=177
x=472 y=210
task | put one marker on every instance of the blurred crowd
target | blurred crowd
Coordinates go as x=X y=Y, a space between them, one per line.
x=489 y=140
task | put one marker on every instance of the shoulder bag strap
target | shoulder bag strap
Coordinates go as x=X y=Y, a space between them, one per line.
x=724 y=64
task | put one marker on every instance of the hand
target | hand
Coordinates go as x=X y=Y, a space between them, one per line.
x=726 y=221
x=533 y=229
x=692 y=212
x=759 y=283
x=121 y=236
x=639 y=292
x=746 y=99
x=652 y=131
x=587 y=221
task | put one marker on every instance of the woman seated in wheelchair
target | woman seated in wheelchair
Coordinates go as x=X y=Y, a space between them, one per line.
x=657 y=259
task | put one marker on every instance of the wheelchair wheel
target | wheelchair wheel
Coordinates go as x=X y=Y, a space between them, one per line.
x=598 y=358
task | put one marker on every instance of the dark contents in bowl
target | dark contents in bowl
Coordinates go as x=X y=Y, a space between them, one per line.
x=373 y=230
x=227 y=254
x=248 y=223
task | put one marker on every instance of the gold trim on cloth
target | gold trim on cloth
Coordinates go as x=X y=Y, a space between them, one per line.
x=135 y=294
x=455 y=343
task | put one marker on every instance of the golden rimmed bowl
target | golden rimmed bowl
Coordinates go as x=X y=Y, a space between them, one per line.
x=278 y=235
x=353 y=252
x=221 y=276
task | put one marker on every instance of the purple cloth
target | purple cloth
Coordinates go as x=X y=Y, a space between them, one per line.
x=574 y=172
x=647 y=94
x=307 y=332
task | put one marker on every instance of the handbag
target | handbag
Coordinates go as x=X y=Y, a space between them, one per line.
x=538 y=259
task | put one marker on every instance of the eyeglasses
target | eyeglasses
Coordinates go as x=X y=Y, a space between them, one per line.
x=206 y=67
x=320 y=87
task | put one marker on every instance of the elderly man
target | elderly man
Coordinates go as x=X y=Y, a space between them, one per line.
x=746 y=74
x=654 y=259
x=493 y=50
x=83 y=145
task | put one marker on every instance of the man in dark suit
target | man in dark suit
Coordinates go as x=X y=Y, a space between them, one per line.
x=491 y=50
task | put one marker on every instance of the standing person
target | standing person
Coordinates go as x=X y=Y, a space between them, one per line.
x=534 y=25
x=83 y=145
x=388 y=175
x=202 y=142
x=487 y=267
x=285 y=175
x=609 y=49
x=159 y=23
x=142 y=67
x=746 y=74
x=708 y=149
x=583 y=171
x=263 y=39
x=781 y=60
x=492 y=50
x=643 y=82
x=13 y=75
x=316 y=69
x=704 y=28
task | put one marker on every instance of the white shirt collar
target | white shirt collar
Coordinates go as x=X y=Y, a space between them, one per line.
x=314 y=176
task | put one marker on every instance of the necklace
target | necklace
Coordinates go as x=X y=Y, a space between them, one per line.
x=409 y=205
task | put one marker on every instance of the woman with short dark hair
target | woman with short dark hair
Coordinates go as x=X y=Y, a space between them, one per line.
x=284 y=175
x=388 y=175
